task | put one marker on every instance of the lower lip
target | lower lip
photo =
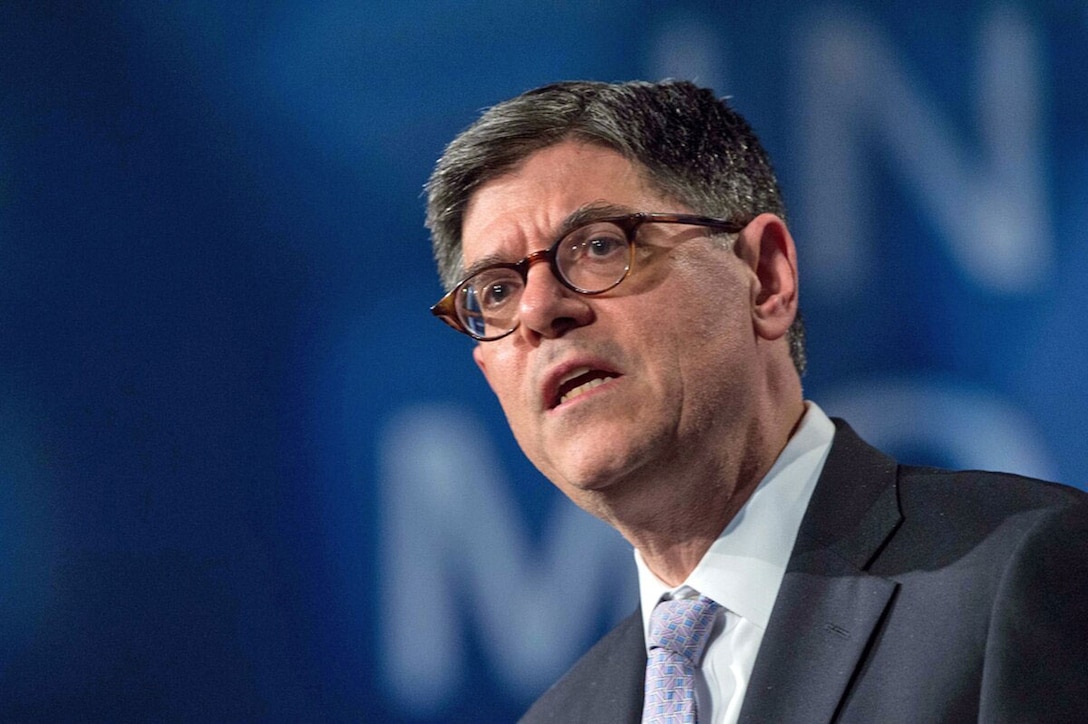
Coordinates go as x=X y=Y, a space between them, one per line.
x=601 y=388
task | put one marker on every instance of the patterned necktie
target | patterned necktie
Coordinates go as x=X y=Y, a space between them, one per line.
x=678 y=635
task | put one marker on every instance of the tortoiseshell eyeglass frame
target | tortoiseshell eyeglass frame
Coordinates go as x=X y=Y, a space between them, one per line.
x=446 y=308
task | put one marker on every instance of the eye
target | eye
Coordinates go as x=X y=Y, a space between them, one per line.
x=495 y=290
x=496 y=294
x=604 y=246
x=595 y=243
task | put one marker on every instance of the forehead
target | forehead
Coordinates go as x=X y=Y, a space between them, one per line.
x=522 y=210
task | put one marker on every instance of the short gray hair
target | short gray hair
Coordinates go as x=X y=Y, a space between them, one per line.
x=693 y=147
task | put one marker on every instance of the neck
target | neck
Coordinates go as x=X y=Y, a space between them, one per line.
x=682 y=510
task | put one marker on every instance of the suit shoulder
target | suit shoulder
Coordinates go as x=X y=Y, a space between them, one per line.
x=603 y=685
x=976 y=520
x=977 y=492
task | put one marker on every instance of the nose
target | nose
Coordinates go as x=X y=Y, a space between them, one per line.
x=547 y=308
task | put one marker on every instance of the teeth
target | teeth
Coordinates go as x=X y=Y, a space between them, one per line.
x=574 y=373
x=583 y=388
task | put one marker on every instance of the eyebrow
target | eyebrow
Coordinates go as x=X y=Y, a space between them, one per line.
x=582 y=215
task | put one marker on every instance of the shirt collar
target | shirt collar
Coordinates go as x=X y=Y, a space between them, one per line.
x=743 y=568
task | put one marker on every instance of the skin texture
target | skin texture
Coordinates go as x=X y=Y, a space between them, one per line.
x=700 y=396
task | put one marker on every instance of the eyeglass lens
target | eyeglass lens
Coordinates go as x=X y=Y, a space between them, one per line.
x=591 y=259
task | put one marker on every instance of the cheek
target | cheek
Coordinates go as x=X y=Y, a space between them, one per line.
x=703 y=309
x=505 y=380
x=714 y=333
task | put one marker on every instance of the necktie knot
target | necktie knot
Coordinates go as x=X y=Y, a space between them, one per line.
x=682 y=626
x=679 y=630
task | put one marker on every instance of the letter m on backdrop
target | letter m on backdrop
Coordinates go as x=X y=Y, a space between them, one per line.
x=456 y=553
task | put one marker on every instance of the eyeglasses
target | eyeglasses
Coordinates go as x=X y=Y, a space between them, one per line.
x=591 y=258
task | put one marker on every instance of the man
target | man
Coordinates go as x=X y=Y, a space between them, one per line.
x=621 y=255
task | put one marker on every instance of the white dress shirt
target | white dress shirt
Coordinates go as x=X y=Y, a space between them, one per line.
x=743 y=569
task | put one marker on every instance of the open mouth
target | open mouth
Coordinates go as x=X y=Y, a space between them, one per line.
x=579 y=382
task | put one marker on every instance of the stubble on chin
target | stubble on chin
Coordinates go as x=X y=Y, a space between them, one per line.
x=618 y=488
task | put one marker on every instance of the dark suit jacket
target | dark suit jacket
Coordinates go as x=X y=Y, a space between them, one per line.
x=912 y=595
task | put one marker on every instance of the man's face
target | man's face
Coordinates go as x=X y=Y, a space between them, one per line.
x=608 y=392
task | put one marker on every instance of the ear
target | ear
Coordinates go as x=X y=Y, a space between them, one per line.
x=766 y=246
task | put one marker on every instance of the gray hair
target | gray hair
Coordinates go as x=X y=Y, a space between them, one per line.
x=693 y=148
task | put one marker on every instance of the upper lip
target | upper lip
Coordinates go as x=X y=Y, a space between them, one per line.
x=566 y=371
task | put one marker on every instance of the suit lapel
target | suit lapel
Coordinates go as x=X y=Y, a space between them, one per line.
x=828 y=607
x=620 y=690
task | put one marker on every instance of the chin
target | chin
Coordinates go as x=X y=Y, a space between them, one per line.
x=596 y=474
x=596 y=462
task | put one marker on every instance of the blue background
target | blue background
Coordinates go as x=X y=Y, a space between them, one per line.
x=244 y=476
